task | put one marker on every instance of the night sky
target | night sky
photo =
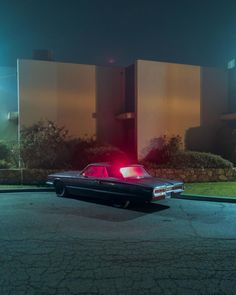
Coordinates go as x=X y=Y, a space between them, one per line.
x=118 y=32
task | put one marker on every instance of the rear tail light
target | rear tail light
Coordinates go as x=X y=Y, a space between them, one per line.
x=159 y=190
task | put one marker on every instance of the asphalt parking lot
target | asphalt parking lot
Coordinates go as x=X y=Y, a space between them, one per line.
x=50 y=245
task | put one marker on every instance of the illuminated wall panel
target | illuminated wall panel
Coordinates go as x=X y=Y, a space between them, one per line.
x=61 y=92
x=167 y=100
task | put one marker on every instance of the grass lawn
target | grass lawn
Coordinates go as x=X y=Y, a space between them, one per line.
x=221 y=189
x=19 y=186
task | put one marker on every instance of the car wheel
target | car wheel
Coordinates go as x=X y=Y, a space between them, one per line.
x=60 y=189
x=121 y=204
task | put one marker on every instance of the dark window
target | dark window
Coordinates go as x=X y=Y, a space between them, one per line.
x=95 y=171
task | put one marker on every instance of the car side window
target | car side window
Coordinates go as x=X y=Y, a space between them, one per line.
x=96 y=171
x=115 y=172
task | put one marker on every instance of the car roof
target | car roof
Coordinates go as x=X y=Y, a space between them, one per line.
x=107 y=164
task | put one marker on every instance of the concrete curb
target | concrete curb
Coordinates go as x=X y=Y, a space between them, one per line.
x=206 y=198
x=26 y=190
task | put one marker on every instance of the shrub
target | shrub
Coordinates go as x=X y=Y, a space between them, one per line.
x=191 y=159
x=106 y=153
x=217 y=140
x=5 y=152
x=43 y=145
x=15 y=154
x=5 y=155
x=84 y=151
x=4 y=164
x=162 y=148
x=78 y=151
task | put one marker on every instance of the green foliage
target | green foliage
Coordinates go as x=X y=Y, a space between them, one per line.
x=43 y=145
x=15 y=155
x=47 y=146
x=162 y=148
x=191 y=159
x=5 y=155
x=86 y=151
x=168 y=152
x=5 y=152
x=77 y=149
x=223 y=189
x=4 y=164
x=106 y=153
x=213 y=139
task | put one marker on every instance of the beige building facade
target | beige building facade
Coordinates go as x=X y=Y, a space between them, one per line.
x=60 y=92
x=167 y=100
x=126 y=107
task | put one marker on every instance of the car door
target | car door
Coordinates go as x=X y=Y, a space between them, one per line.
x=112 y=185
x=84 y=183
x=100 y=178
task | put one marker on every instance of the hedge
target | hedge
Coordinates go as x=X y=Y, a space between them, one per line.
x=191 y=159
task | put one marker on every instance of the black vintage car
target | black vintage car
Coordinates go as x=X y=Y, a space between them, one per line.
x=121 y=185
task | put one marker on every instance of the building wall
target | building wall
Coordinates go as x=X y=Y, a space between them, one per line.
x=167 y=100
x=8 y=103
x=61 y=92
x=214 y=95
x=110 y=95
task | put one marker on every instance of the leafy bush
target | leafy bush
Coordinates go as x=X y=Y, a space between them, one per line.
x=162 y=148
x=77 y=149
x=5 y=155
x=4 y=164
x=5 y=152
x=191 y=159
x=84 y=151
x=43 y=145
x=217 y=140
x=106 y=153
x=15 y=154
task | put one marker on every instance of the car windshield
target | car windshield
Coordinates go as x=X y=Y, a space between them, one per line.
x=134 y=172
